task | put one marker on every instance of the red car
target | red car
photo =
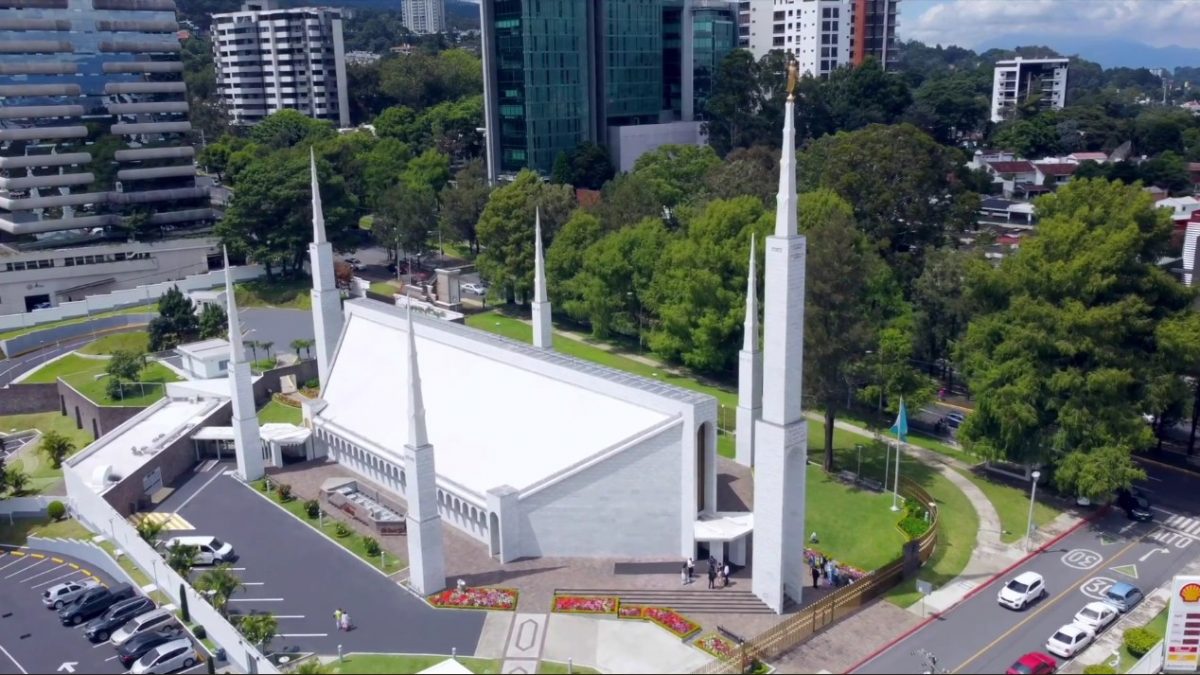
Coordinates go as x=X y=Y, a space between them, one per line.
x=1034 y=663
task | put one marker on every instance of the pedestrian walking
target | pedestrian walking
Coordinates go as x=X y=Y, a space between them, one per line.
x=346 y=621
x=816 y=575
x=829 y=570
x=691 y=568
x=337 y=618
x=683 y=575
x=712 y=576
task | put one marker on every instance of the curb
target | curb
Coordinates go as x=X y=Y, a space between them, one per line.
x=974 y=591
x=1193 y=473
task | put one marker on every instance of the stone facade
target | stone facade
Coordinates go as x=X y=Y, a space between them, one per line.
x=25 y=399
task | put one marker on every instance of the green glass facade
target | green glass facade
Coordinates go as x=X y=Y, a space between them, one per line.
x=672 y=57
x=714 y=35
x=631 y=33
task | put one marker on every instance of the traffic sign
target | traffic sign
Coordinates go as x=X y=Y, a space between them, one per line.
x=1183 y=625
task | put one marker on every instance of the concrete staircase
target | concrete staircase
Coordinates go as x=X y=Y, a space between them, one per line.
x=695 y=598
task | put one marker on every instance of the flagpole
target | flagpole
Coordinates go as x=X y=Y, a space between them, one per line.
x=896 y=486
x=901 y=429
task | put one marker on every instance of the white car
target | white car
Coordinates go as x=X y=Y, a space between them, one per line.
x=141 y=624
x=166 y=658
x=477 y=289
x=1024 y=589
x=64 y=594
x=1096 y=615
x=1070 y=640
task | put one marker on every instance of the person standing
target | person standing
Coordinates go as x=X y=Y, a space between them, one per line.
x=816 y=574
x=683 y=574
x=691 y=568
x=346 y=621
x=725 y=573
x=337 y=618
x=712 y=576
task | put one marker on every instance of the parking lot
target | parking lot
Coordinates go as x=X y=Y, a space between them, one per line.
x=297 y=574
x=32 y=639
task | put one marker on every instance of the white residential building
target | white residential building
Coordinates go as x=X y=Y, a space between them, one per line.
x=821 y=34
x=425 y=16
x=271 y=59
x=1016 y=80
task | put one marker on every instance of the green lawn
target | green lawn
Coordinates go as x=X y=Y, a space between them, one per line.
x=131 y=342
x=44 y=422
x=558 y=668
x=352 y=543
x=386 y=664
x=285 y=293
x=42 y=475
x=140 y=309
x=1013 y=506
x=854 y=526
x=17 y=533
x=68 y=365
x=274 y=411
x=384 y=288
x=146 y=391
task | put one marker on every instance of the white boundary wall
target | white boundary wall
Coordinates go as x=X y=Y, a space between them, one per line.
x=92 y=509
x=117 y=299
x=85 y=551
x=24 y=507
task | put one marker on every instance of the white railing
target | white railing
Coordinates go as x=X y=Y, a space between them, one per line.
x=1151 y=661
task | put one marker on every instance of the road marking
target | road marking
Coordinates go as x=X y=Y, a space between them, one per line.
x=1176 y=539
x=289 y=616
x=1169 y=513
x=73 y=566
x=15 y=662
x=61 y=576
x=169 y=521
x=12 y=563
x=115 y=656
x=57 y=560
x=1128 y=570
x=97 y=646
x=1096 y=587
x=1152 y=552
x=253 y=583
x=1081 y=559
x=303 y=634
x=255 y=600
x=39 y=556
x=87 y=572
x=197 y=492
x=41 y=574
x=1041 y=608
x=26 y=569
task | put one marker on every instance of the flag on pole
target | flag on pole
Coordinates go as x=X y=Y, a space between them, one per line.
x=900 y=428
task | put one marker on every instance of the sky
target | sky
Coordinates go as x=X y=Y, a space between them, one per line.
x=969 y=23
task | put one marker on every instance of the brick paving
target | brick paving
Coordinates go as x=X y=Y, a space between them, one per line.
x=851 y=640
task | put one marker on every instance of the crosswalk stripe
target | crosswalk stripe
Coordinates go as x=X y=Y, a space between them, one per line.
x=1173 y=521
x=169 y=521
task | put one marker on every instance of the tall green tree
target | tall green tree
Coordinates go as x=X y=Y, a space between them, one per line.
x=463 y=203
x=124 y=366
x=672 y=172
x=614 y=280
x=288 y=128
x=213 y=321
x=941 y=308
x=1061 y=356
x=404 y=218
x=586 y=166
x=564 y=262
x=176 y=321
x=259 y=629
x=182 y=559
x=220 y=583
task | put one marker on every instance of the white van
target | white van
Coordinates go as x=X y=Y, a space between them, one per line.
x=209 y=550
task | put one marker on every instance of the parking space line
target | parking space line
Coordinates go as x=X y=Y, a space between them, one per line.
x=26 y=569
x=15 y=662
x=12 y=563
x=197 y=492
x=295 y=635
x=97 y=646
x=253 y=583
x=289 y=616
x=114 y=656
x=57 y=578
x=38 y=555
x=255 y=600
x=52 y=570
x=57 y=560
x=73 y=566
x=87 y=572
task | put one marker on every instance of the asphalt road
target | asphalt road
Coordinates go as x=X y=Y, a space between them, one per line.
x=980 y=636
x=301 y=576
x=12 y=368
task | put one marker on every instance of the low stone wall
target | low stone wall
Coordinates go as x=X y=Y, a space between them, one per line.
x=269 y=383
x=90 y=416
x=26 y=399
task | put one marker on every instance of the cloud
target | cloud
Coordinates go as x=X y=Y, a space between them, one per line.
x=970 y=22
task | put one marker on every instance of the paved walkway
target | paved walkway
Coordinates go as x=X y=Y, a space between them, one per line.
x=525 y=640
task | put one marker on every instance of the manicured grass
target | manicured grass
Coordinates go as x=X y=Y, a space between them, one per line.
x=461 y=251
x=146 y=391
x=386 y=664
x=42 y=474
x=1158 y=626
x=274 y=411
x=353 y=542
x=915 y=437
x=47 y=421
x=384 y=288
x=70 y=364
x=558 y=668
x=1013 y=506
x=140 y=309
x=131 y=342
x=853 y=526
x=287 y=293
x=139 y=577
x=17 y=534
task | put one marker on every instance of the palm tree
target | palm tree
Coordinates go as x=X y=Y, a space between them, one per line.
x=219 y=582
x=253 y=345
x=56 y=447
x=259 y=629
x=311 y=667
x=181 y=559
x=297 y=345
x=17 y=480
x=149 y=530
x=267 y=346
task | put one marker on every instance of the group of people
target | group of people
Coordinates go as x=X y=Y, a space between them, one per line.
x=824 y=568
x=718 y=574
x=341 y=619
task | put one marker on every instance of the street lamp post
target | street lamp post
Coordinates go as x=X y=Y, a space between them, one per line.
x=1032 y=496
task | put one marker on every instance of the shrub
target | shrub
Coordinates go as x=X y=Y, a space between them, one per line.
x=341 y=530
x=1099 y=669
x=284 y=491
x=313 y=508
x=183 y=604
x=200 y=632
x=264 y=485
x=1138 y=641
x=312 y=384
x=371 y=546
x=56 y=510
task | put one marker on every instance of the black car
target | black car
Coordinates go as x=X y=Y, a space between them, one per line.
x=1135 y=503
x=98 y=630
x=93 y=603
x=138 y=646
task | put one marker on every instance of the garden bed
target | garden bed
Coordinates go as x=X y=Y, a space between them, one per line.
x=586 y=604
x=502 y=599
x=716 y=645
x=850 y=572
x=679 y=625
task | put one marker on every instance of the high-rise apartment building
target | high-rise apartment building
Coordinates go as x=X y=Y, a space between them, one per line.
x=1018 y=80
x=425 y=16
x=822 y=35
x=272 y=59
x=94 y=119
x=628 y=74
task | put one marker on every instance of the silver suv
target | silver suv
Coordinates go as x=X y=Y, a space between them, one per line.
x=65 y=593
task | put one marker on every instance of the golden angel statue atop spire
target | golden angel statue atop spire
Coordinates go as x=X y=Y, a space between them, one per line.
x=793 y=72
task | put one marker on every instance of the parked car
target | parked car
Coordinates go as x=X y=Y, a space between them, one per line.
x=476 y=289
x=148 y=622
x=64 y=594
x=955 y=419
x=139 y=645
x=1135 y=503
x=1034 y=663
x=209 y=550
x=1024 y=589
x=1070 y=640
x=100 y=628
x=1096 y=615
x=93 y=603
x=166 y=658
x=1123 y=596
x=355 y=263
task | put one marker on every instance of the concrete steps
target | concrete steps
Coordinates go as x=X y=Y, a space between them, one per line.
x=696 y=598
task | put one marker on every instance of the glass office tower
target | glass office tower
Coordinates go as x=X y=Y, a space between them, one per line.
x=714 y=35
x=631 y=40
x=94 y=119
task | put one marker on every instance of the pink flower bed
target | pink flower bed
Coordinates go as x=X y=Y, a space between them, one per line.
x=844 y=570
x=673 y=621
x=716 y=645
x=585 y=604
x=476 y=598
x=630 y=611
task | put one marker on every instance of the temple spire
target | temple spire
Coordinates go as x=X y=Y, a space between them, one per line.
x=237 y=350
x=750 y=338
x=543 y=334
x=426 y=550
x=326 y=298
x=247 y=444
x=318 y=215
x=785 y=203
x=417 y=435
x=749 y=407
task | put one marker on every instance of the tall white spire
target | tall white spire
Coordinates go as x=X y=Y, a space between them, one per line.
x=749 y=407
x=426 y=552
x=542 y=331
x=781 y=436
x=326 y=299
x=247 y=444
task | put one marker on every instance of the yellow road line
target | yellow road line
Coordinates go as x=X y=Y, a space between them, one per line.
x=38 y=555
x=88 y=573
x=57 y=560
x=18 y=553
x=73 y=566
x=1041 y=608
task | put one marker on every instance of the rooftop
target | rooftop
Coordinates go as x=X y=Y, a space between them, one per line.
x=1057 y=169
x=205 y=349
x=1019 y=166
x=498 y=412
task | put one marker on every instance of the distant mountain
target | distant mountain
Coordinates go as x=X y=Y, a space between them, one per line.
x=1109 y=53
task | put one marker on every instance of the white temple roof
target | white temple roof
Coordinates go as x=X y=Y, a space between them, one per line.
x=495 y=416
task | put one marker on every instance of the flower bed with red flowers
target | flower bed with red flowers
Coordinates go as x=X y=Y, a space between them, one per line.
x=848 y=571
x=716 y=645
x=630 y=611
x=673 y=621
x=586 y=604
x=476 y=598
